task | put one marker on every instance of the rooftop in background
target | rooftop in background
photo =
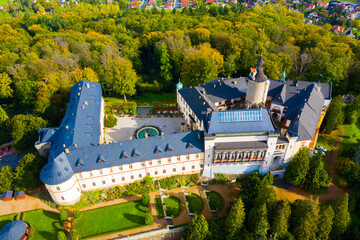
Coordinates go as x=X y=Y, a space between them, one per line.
x=253 y=120
x=14 y=230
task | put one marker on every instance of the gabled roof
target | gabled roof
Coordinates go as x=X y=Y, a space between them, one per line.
x=14 y=230
x=19 y=194
x=7 y=194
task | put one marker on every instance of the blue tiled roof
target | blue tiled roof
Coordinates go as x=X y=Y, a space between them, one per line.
x=263 y=125
x=79 y=128
x=7 y=194
x=14 y=230
x=19 y=194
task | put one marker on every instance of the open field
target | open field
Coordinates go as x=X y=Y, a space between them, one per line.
x=116 y=218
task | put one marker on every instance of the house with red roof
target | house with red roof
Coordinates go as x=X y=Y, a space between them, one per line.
x=309 y=6
x=338 y=29
x=168 y=5
x=184 y=3
x=209 y=1
x=313 y=15
x=322 y=4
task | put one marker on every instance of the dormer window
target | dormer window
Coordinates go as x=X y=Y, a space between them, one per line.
x=100 y=159
x=79 y=162
x=168 y=148
x=189 y=145
x=135 y=153
x=123 y=154
x=157 y=149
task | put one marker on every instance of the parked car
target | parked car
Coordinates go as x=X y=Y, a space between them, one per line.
x=7 y=148
x=1 y=151
x=316 y=151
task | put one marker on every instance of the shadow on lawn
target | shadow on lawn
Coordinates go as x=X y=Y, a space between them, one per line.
x=135 y=218
x=48 y=235
x=141 y=208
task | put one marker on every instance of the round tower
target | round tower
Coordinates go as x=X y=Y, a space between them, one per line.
x=256 y=92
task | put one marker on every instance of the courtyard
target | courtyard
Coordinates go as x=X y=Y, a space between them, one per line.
x=126 y=126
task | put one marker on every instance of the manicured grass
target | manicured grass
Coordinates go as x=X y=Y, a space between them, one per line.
x=3 y=2
x=196 y=204
x=216 y=200
x=159 y=209
x=46 y=224
x=111 y=219
x=350 y=133
x=151 y=98
x=6 y=219
x=173 y=206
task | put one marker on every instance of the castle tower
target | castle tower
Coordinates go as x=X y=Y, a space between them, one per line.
x=258 y=85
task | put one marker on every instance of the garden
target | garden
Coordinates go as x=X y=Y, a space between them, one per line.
x=173 y=206
x=216 y=201
x=107 y=220
x=196 y=204
x=159 y=208
x=45 y=223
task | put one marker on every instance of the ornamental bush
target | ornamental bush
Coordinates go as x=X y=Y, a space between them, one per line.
x=149 y=219
x=63 y=215
x=110 y=121
x=145 y=199
x=76 y=213
x=61 y=235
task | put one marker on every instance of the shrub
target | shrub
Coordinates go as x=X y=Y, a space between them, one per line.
x=61 y=235
x=220 y=178
x=63 y=215
x=145 y=199
x=149 y=219
x=76 y=213
x=74 y=235
x=110 y=121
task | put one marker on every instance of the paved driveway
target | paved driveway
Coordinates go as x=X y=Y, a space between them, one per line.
x=127 y=126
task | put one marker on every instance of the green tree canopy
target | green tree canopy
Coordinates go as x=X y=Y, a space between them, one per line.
x=258 y=222
x=5 y=89
x=235 y=219
x=298 y=167
x=317 y=177
x=6 y=178
x=280 y=222
x=198 y=229
x=325 y=222
x=342 y=218
x=334 y=116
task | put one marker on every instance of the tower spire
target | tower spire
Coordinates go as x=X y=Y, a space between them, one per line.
x=260 y=76
x=283 y=76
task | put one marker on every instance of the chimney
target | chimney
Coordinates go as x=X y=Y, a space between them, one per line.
x=67 y=150
x=79 y=88
x=198 y=135
x=87 y=85
x=78 y=94
x=162 y=133
x=146 y=135
x=235 y=82
x=130 y=138
x=204 y=103
x=86 y=103
x=75 y=145
x=214 y=85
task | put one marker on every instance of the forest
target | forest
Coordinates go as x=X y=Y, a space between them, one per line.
x=46 y=48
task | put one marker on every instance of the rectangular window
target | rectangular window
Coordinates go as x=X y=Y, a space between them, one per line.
x=123 y=179
x=156 y=172
x=159 y=161
x=148 y=173
x=150 y=163
x=143 y=164
x=80 y=175
x=178 y=158
x=187 y=157
x=169 y=160
x=113 y=180
x=183 y=168
x=111 y=170
x=140 y=176
x=130 y=166
x=94 y=184
x=197 y=156
x=174 y=169
x=120 y=168
x=100 y=172
x=164 y=171
x=201 y=165
x=90 y=174
x=58 y=188
x=193 y=167
x=103 y=182
x=132 y=176
x=62 y=198
x=84 y=186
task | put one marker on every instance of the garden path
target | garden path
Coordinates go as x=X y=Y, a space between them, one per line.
x=31 y=202
x=229 y=192
x=206 y=211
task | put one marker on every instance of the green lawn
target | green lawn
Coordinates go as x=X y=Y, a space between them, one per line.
x=3 y=2
x=46 y=224
x=111 y=219
x=196 y=204
x=159 y=208
x=6 y=219
x=216 y=200
x=151 y=98
x=173 y=206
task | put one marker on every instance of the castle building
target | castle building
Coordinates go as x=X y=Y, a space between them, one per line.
x=239 y=126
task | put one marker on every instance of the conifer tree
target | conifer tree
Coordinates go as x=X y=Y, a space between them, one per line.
x=325 y=222
x=280 y=223
x=235 y=219
x=258 y=222
x=342 y=216
x=298 y=167
x=198 y=228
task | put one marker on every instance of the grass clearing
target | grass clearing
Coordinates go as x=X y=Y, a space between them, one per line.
x=3 y=2
x=173 y=206
x=107 y=220
x=151 y=98
x=6 y=219
x=196 y=204
x=45 y=223
x=216 y=200
x=159 y=208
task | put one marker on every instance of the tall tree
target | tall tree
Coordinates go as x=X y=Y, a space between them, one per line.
x=317 y=177
x=325 y=222
x=164 y=63
x=235 y=219
x=280 y=223
x=304 y=218
x=258 y=222
x=6 y=178
x=334 y=116
x=200 y=65
x=27 y=173
x=342 y=216
x=198 y=228
x=298 y=167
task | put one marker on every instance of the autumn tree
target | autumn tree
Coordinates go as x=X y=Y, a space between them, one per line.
x=298 y=167
x=235 y=219
x=199 y=36
x=200 y=65
x=5 y=89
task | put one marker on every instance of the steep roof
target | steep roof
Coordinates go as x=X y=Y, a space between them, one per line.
x=14 y=230
x=7 y=194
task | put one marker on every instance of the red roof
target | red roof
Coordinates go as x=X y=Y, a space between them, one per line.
x=324 y=4
x=168 y=5
x=338 y=28
x=309 y=5
x=209 y=1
